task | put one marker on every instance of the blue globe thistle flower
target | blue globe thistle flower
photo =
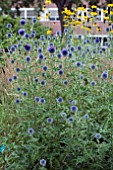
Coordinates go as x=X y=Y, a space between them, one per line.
x=43 y=82
x=24 y=93
x=12 y=48
x=78 y=64
x=51 y=44
x=93 y=66
x=43 y=74
x=60 y=72
x=40 y=50
x=58 y=33
x=51 y=49
x=64 y=52
x=107 y=29
x=42 y=37
x=21 y=32
x=94 y=51
x=10 y=79
x=12 y=61
x=35 y=42
x=79 y=48
x=28 y=58
x=70 y=36
x=98 y=136
x=34 y=32
x=14 y=77
x=18 y=88
x=79 y=36
x=70 y=119
x=88 y=41
x=104 y=75
x=37 y=99
x=40 y=56
x=43 y=162
x=70 y=55
x=9 y=25
x=45 y=68
x=49 y=120
x=72 y=49
x=63 y=114
x=32 y=35
x=36 y=80
x=59 y=55
x=53 y=38
x=97 y=40
x=60 y=100
x=42 y=100
x=31 y=131
x=65 y=82
x=65 y=30
x=86 y=116
x=9 y=35
x=60 y=66
x=26 y=35
x=93 y=83
x=68 y=42
x=34 y=20
x=27 y=47
x=22 y=22
x=17 y=101
x=17 y=70
x=81 y=76
x=100 y=51
x=73 y=108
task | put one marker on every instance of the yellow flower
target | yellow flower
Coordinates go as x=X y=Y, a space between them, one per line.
x=39 y=17
x=44 y=8
x=111 y=31
x=98 y=29
x=110 y=5
x=111 y=12
x=86 y=17
x=49 y=32
x=105 y=11
x=106 y=18
x=93 y=6
x=48 y=1
x=95 y=24
x=93 y=13
x=80 y=8
x=82 y=27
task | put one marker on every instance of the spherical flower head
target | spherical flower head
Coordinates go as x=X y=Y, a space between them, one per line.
x=59 y=55
x=28 y=58
x=9 y=25
x=24 y=93
x=18 y=88
x=49 y=120
x=36 y=80
x=12 y=48
x=60 y=72
x=63 y=114
x=42 y=37
x=22 y=22
x=26 y=35
x=43 y=82
x=93 y=66
x=51 y=49
x=37 y=99
x=40 y=56
x=73 y=108
x=35 y=42
x=60 y=100
x=10 y=79
x=27 y=47
x=12 y=61
x=65 y=82
x=72 y=48
x=45 y=68
x=58 y=33
x=70 y=55
x=42 y=100
x=17 y=70
x=14 y=77
x=98 y=136
x=43 y=162
x=107 y=29
x=60 y=66
x=81 y=76
x=78 y=64
x=51 y=44
x=34 y=20
x=79 y=48
x=97 y=40
x=31 y=131
x=80 y=36
x=40 y=50
x=21 y=32
x=64 y=52
x=70 y=119
x=93 y=83
x=65 y=30
x=17 y=101
x=86 y=116
x=9 y=35
x=104 y=75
